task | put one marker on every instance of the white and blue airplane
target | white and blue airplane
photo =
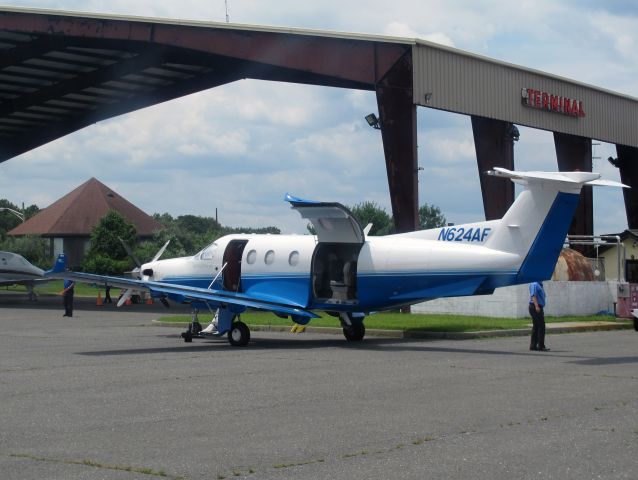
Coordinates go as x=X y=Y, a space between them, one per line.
x=343 y=271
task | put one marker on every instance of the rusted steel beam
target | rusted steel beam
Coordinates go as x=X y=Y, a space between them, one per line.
x=348 y=59
x=494 y=144
x=627 y=162
x=574 y=153
x=397 y=117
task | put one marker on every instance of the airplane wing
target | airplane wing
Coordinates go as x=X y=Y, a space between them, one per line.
x=24 y=281
x=186 y=292
x=333 y=222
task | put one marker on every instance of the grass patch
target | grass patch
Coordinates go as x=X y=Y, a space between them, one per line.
x=94 y=464
x=54 y=287
x=400 y=321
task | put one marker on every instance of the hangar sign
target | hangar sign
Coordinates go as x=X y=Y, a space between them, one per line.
x=530 y=97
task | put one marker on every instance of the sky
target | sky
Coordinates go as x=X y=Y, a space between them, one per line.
x=240 y=147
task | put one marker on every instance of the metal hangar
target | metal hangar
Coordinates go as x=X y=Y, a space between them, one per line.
x=61 y=71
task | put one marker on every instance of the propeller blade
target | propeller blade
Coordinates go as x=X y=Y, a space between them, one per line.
x=125 y=296
x=161 y=250
x=130 y=253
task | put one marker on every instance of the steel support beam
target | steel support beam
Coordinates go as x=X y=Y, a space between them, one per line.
x=494 y=144
x=397 y=116
x=628 y=164
x=574 y=153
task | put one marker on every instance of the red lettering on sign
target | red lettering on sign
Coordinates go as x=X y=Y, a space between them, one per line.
x=554 y=103
x=581 y=110
x=567 y=107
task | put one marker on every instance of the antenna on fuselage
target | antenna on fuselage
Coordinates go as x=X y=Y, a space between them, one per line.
x=226 y=6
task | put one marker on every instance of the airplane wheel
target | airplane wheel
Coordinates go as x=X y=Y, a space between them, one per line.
x=239 y=334
x=636 y=324
x=355 y=332
x=187 y=336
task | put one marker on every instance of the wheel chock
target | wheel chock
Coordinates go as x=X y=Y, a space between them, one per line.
x=296 y=328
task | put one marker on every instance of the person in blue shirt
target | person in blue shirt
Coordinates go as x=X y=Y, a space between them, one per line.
x=67 y=294
x=537 y=312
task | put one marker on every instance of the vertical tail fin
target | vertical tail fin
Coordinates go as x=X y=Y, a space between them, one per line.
x=537 y=223
x=59 y=266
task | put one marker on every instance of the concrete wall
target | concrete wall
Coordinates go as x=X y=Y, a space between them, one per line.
x=563 y=299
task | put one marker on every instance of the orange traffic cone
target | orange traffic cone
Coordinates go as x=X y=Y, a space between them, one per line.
x=99 y=302
x=149 y=301
x=128 y=301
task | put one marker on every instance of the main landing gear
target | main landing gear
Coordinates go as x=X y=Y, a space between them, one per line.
x=353 y=328
x=224 y=322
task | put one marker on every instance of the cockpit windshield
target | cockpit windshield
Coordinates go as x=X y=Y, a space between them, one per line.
x=209 y=252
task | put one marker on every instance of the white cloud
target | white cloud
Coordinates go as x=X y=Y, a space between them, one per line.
x=241 y=146
x=398 y=29
x=620 y=29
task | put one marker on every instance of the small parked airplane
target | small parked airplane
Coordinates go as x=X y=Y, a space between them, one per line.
x=343 y=271
x=16 y=270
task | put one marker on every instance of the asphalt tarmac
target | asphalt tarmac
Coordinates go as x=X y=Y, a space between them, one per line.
x=108 y=395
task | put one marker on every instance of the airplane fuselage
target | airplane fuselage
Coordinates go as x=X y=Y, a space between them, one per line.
x=380 y=273
x=16 y=269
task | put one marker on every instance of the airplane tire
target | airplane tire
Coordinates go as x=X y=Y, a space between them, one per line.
x=354 y=332
x=239 y=334
x=187 y=336
x=636 y=324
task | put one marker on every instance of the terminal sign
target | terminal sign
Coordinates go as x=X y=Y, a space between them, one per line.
x=554 y=103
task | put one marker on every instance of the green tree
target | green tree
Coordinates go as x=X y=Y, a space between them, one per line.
x=32 y=247
x=107 y=255
x=188 y=235
x=430 y=216
x=369 y=212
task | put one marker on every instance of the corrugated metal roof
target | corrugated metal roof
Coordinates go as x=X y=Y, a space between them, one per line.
x=456 y=81
x=76 y=213
x=514 y=66
x=61 y=71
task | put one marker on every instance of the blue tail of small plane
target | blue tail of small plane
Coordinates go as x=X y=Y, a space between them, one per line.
x=535 y=226
x=59 y=266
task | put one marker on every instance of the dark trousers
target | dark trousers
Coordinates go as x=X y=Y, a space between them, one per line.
x=68 y=303
x=538 y=327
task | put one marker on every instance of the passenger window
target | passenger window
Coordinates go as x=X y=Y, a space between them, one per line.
x=251 y=257
x=293 y=258
x=270 y=257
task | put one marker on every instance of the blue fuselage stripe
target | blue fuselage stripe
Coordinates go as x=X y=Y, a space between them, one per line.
x=375 y=290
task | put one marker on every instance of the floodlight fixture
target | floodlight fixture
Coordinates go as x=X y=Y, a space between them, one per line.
x=373 y=121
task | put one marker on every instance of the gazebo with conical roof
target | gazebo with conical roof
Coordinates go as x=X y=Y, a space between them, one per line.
x=68 y=221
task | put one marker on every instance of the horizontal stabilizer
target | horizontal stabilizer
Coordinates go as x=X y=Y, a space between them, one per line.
x=581 y=178
x=607 y=183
